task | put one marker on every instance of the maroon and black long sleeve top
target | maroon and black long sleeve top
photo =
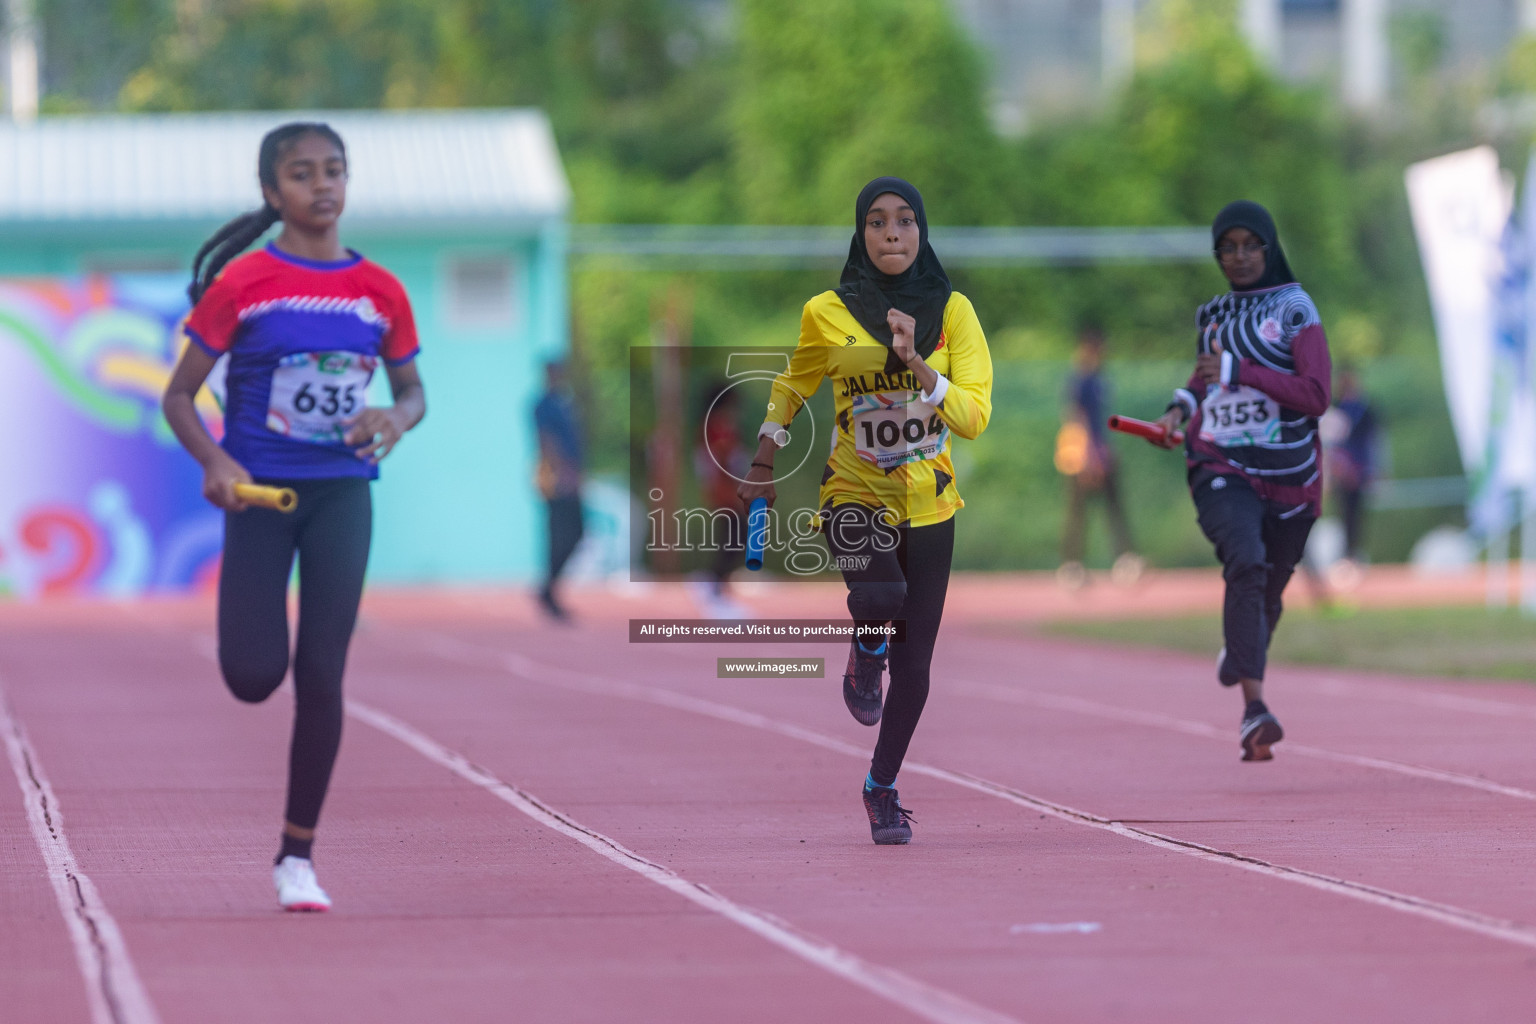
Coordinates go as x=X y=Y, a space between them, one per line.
x=1260 y=421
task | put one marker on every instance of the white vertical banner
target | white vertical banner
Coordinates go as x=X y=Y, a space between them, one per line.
x=1261 y=22
x=1365 y=53
x=1460 y=209
x=1521 y=437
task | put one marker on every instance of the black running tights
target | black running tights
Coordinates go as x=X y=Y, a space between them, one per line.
x=330 y=532
x=895 y=573
x=1259 y=547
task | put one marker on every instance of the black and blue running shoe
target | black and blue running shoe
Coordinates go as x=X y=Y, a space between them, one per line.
x=888 y=820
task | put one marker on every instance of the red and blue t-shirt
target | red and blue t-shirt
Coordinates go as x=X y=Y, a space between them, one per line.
x=303 y=339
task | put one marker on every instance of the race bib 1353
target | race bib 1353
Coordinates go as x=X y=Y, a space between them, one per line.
x=1233 y=417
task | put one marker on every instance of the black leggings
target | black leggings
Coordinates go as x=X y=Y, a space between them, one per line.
x=895 y=573
x=1353 y=501
x=1259 y=548
x=565 y=529
x=330 y=531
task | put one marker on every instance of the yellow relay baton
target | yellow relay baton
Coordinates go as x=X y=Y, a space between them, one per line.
x=281 y=498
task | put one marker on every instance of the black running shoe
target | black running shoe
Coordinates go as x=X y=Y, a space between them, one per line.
x=1222 y=675
x=887 y=818
x=1259 y=732
x=861 y=684
x=552 y=606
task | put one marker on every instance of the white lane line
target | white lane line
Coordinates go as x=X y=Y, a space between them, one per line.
x=921 y=999
x=1077 y=705
x=1054 y=928
x=534 y=672
x=1398 y=691
x=1332 y=686
x=1328 y=686
x=112 y=986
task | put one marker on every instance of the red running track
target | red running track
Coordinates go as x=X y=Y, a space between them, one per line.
x=542 y=824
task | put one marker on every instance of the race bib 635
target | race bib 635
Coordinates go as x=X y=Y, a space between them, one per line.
x=313 y=392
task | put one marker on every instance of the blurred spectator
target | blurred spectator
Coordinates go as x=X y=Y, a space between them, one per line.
x=720 y=464
x=1350 y=436
x=1084 y=456
x=559 y=477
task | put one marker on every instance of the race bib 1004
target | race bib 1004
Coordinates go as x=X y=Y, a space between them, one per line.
x=894 y=427
x=1232 y=417
x=313 y=392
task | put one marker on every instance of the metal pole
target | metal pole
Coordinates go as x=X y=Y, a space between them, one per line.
x=1498 y=560
x=1261 y=27
x=21 y=91
x=1117 y=43
x=1528 y=555
x=1365 y=53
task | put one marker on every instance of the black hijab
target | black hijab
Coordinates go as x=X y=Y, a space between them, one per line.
x=1250 y=215
x=921 y=291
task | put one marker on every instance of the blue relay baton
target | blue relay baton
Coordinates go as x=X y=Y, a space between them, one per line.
x=757 y=532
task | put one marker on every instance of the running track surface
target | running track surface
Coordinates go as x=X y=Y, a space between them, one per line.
x=538 y=823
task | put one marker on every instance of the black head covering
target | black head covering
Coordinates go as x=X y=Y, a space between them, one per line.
x=1250 y=215
x=921 y=291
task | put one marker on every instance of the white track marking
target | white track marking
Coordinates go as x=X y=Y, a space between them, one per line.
x=534 y=672
x=1050 y=928
x=112 y=986
x=1331 y=686
x=1335 y=686
x=906 y=992
x=1076 y=705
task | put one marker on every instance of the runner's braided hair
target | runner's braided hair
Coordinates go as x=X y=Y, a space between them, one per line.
x=235 y=237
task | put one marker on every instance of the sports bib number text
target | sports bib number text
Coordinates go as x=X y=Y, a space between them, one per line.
x=1236 y=416
x=894 y=427
x=314 y=392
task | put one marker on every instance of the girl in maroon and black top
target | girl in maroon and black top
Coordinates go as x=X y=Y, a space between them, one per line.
x=1261 y=381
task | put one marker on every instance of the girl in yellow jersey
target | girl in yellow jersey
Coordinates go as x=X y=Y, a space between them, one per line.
x=910 y=368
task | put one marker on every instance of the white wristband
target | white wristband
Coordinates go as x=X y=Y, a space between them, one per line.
x=936 y=396
x=775 y=431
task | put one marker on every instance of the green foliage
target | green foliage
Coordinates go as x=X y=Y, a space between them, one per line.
x=1418 y=41
x=1175 y=149
x=1460 y=642
x=832 y=93
x=285 y=54
x=79 y=72
x=777 y=112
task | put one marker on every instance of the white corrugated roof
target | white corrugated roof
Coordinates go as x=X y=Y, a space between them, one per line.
x=406 y=165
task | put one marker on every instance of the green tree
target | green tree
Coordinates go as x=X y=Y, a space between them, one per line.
x=831 y=93
x=91 y=46
x=286 y=54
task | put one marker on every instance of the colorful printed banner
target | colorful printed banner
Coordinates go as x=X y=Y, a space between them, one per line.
x=96 y=496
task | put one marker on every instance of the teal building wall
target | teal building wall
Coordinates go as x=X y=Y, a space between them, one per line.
x=455 y=502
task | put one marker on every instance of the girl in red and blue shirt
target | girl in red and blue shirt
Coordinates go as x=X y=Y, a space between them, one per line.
x=304 y=323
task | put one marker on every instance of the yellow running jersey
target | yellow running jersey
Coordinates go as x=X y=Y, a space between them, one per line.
x=890 y=447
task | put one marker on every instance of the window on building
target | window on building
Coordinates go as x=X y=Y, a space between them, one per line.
x=482 y=291
x=134 y=262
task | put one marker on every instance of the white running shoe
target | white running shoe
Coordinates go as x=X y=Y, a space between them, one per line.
x=297 y=888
